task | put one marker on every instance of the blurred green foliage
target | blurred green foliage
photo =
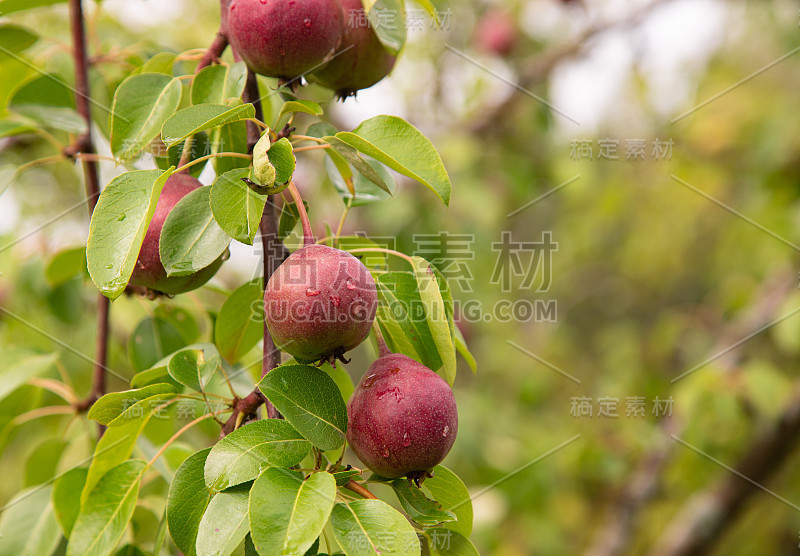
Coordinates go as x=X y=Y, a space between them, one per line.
x=651 y=277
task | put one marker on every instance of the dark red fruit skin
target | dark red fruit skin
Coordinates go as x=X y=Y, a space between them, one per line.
x=402 y=418
x=496 y=33
x=361 y=60
x=320 y=302
x=149 y=272
x=284 y=38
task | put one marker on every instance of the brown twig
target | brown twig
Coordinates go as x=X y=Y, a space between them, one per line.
x=246 y=408
x=214 y=51
x=85 y=145
x=359 y=489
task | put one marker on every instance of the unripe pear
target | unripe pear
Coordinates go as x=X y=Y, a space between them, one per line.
x=360 y=61
x=285 y=38
x=149 y=272
x=320 y=303
x=402 y=418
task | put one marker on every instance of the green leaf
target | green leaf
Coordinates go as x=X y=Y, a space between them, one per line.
x=288 y=513
x=282 y=158
x=118 y=225
x=231 y=138
x=20 y=365
x=237 y=208
x=215 y=84
x=161 y=535
x=108 y=509
x=142 y=103
x=224 y=524
x=350 y=154
x=137 y=411
x=153 y=339
x=263 y=172
x=198 y=148
x=67 y=497
x=194 y=367
x=191 y=239
x=161 y=62
x=436 y=315
x=421 y=509
x=28 y=525
x=117 y=442
x=15 y=39
x=288 y=219
x=446 y=542
x=240 y=456
x=9 y=129
x=463 y=349
x=446 y=488
x=392 y=33
x=320 y=130
x=310 y=400
x=154 y=375
x=402 y=147
x=240 y=325
x=187 y=501
x=130 y=550
x=373 y=528
x=366 y=192
x=428 y=6
x=304 y=106
x=66 y=264
x=49 y=101
x=181 y=320
x=112 y=405
x=400 y=303
x=373 y=261
x=8 y=6
x=343 y=477
x=194 y=119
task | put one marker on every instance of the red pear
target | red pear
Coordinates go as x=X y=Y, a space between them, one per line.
x=320 y=303
x=285 y=38
x=402 y=418
x=149 y=272
x=360 y=61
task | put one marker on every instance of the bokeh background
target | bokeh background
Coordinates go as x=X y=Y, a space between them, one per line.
x=656 y=143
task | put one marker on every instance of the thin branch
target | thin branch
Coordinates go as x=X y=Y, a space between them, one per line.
x=178 y=434
x=245 y=409
x=85 y=145
x=311 y=148
x=214 y=51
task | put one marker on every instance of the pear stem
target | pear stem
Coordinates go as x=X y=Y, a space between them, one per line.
x=359 y=489
x=308 y=234
x=383 y=349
